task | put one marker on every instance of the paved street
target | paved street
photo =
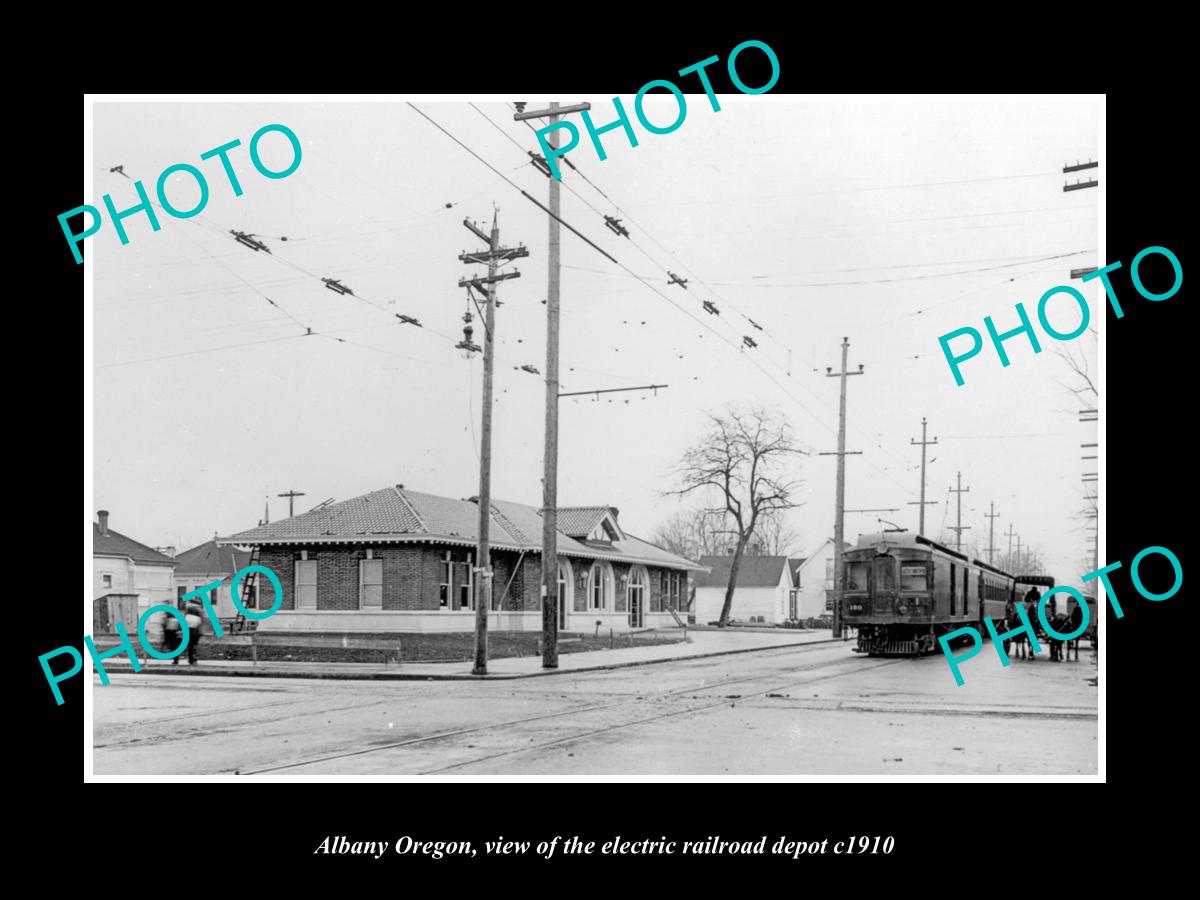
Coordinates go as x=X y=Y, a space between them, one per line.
x=816 y=709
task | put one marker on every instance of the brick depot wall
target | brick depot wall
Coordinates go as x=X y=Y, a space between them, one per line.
x=517 y=578
x=532 y=598
x=279 y=560
x=412 y=573
x=656 y=594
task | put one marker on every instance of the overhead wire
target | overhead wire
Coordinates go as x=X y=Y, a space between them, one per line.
x=651 y=286
x=308 y=330
x=197 y=220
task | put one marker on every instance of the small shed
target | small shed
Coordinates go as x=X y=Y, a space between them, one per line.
x=108 y=609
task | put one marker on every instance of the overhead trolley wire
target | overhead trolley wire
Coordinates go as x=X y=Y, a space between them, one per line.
x=652 y=287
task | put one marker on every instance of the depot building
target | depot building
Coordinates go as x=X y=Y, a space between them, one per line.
x=397 y=560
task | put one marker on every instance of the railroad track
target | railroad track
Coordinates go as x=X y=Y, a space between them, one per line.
x=780 y=681
x=112 y=741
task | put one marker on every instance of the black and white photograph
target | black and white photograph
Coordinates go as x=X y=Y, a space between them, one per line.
x=693 y=434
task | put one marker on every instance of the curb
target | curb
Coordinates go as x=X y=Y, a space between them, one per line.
x=402 y=676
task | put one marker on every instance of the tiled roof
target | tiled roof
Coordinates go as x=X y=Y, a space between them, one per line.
x=580 y=520
x=383 y=512
x=210 y=558
x=396 y=514
x=116 y=544
x=754 y=571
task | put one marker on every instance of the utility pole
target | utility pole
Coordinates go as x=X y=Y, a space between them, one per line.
x=1009 y=557
x=959 y=528
x=841 y=454
x=550 y=453
x=1018 y=554
x=291 y=496
x=922 y=502
x=992 y=516
x=483 y=583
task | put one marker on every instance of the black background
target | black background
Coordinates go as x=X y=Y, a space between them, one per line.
x=269 y=832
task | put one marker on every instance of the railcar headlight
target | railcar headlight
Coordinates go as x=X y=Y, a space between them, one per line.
x=902 y=609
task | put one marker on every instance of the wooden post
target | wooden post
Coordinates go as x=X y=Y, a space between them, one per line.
x=483 y=585
x=550 y=452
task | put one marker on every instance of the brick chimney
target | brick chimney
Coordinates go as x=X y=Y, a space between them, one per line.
x=102 y=515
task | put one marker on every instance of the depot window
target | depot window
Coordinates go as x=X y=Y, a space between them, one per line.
x=370 y=583
x=306 y=583
x=456 y=590
x=599 y=586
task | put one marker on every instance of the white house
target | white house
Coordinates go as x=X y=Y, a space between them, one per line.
x=127 y=577
x=764 y=591
x=812 y=576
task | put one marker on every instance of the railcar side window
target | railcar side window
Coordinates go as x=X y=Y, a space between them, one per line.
x=913 y=578
x=856 y=576
x=953 y=588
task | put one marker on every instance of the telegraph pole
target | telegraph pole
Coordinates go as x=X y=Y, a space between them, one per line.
x=992 y=516
x=960 y=527
x=483 y=583
x=550 y=454
x=1009 y=558
x=922 y=502
x=841 y=454
x=1018 y=555
x=291 y=496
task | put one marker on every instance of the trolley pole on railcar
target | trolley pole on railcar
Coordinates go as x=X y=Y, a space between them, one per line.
x=839 y=522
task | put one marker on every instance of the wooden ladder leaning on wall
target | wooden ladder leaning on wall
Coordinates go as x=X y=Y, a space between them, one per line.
x=246 y=592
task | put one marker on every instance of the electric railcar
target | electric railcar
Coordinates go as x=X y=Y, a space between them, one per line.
x=902 y=591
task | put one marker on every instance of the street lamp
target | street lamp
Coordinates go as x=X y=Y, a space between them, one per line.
x=468 y=347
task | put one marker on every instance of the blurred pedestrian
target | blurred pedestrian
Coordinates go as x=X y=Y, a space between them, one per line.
x=172 y=636
x=1031 y=604
x=193 y=623
x=1073 y=623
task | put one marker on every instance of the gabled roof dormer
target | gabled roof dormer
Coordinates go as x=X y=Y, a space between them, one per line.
x=590 y=523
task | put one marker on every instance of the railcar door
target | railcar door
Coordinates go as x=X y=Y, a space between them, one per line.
x=885 y=583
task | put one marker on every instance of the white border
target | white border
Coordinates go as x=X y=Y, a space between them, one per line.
x=90 y=100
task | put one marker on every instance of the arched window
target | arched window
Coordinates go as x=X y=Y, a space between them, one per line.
x=600 y=586
x=565 y=592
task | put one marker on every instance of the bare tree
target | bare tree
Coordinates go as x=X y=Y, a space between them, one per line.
x=692 y=533
x=739 y=465
x=774 y=536
x=1030 y=562
x=1082 y=363
x=1084 y=385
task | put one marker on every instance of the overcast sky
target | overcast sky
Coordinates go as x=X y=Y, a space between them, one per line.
x=888 y=222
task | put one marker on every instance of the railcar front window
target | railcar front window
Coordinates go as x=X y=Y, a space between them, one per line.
x=885 y=574
x=856 y=576
x=912 y=578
